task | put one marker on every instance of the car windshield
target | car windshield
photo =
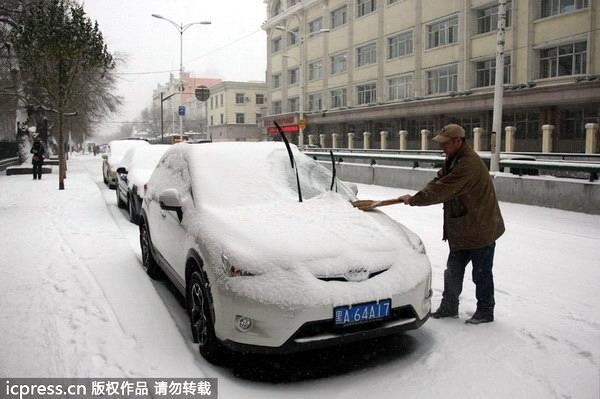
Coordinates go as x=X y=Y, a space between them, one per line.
x=118 y=148
x=235 y=174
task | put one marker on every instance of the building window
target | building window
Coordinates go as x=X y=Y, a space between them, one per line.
x=487 y=18
x=293 y=75
x=338 y=63
x=486 y=72
x=443 y=32
x=315 y=70
x=212 y=122
x=442 y=80
x=555 y=7
x=260 y=99
x=400 y=45
x=366 y=54
x=293 y=36
x=239 y=98
x=392 y=1
x=568 y=59
x=293 y=104
x=221 y=96
x=239 y=118
x=364 y=7
x=276 y=80
x=315 y=25
x=276 y=107
x=275 y=44
x=221 y=119
x=338 y=98
x=315 y=102
x=366 y=94
x=277 y=9
x=339 y=16
x=400 y=88
x=211 y=102
x=258 y=118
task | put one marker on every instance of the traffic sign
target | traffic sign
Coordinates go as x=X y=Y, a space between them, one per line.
x=181 y=110
x=202 y=93
x=302 y=124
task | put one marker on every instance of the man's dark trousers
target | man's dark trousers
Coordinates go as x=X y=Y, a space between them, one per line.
x=483 y=260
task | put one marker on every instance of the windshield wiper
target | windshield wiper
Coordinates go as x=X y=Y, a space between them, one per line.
x=289 y=150
x=333 y=172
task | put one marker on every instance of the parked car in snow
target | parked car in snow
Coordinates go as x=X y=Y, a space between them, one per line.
x=111 y=160
x=137 y=166
x=262 y=271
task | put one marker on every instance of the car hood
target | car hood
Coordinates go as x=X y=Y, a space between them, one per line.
x=324 y=235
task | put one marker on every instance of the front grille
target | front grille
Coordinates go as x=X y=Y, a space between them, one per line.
x=343 y=279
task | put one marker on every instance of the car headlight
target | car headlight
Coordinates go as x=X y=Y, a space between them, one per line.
x=232 y=271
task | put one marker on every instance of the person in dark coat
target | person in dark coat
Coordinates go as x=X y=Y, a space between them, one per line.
x=38 y=152
x=472 y=222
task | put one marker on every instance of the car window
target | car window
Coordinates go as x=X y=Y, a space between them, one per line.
x=171 y=172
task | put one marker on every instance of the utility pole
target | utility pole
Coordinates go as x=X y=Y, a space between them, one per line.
x=499 y=88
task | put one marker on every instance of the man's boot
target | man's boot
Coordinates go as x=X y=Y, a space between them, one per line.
x=482 y=315
x=446 y=310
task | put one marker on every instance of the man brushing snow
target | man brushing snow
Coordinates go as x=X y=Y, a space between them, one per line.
x=472 y=222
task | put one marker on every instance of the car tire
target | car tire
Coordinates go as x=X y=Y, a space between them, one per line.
x=198 y=303
x=104 y=177
x=131 y=208
x=120 y=202
x=148 y=262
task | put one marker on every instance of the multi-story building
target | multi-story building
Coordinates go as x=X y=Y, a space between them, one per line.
x=391 y=65
x=235 y=111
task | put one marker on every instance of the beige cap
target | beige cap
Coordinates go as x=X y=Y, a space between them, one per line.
x=449 y=132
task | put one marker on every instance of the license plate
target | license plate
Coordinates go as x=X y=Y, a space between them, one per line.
x=364 y=312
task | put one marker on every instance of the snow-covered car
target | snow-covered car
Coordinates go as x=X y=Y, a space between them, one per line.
x=111 y=161
x=137 y=166
x=262 y=271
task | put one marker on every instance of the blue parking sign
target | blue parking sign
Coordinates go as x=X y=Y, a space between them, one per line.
x=182 y=110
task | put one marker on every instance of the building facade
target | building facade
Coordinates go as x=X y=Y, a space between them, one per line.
x=411 y=65
x=235 y=111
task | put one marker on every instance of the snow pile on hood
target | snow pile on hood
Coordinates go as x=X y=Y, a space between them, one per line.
x=140 y=163
x=118 y=148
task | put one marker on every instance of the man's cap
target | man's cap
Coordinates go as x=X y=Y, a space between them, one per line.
x=449 y=132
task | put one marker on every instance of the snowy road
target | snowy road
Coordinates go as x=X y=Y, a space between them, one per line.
x=75 y=302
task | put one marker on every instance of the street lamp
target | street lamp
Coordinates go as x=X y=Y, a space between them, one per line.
x=181 y=28
x=301 y=66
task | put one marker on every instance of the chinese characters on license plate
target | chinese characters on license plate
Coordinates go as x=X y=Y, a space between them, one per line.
x=354 y=314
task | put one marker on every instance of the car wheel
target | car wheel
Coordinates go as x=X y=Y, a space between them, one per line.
x=120 y=202
x=104 y=176
x=148 y=262
x=201 y=319
x=133 y=216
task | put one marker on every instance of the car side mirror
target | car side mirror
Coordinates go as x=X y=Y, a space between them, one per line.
x=121 y=170
x=169 y=201
x=104 y=156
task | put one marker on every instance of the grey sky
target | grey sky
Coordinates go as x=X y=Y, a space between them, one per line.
x=232 y=48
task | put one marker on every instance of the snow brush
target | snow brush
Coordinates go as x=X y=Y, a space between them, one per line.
x=367 y=205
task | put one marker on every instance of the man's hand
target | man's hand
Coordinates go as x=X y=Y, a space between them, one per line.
x=405 y=199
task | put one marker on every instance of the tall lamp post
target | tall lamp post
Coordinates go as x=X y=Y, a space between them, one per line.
x=181 y=28
x=498 y=88
x=302 y=77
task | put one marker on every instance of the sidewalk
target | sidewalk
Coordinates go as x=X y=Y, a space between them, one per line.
x=74 y=300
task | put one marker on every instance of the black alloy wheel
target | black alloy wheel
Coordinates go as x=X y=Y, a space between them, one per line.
x=148 y=262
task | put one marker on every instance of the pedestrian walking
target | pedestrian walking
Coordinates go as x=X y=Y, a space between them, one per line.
x=38 y=152
x=472 y=222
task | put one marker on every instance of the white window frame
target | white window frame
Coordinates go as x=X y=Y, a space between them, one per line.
x=275 y=44
x=261 y=97
x=293 y=76
x=315 y=70
x=442 y=80
x=549 y=8
x=366 y=54
x=276 y=80
x=443 y=32
x=340 y=93
x=339 y=16
x=276 y=107
x=487 y=18
x=339 y=63
x=366 y=93
x=365 y=7
x=577 y=57
x=315 y=99
x=293 y=104
x=400 y=87
x=315 y=26
x=239 y=98
x=485 y=70
x=240 y=116
x=399 y=45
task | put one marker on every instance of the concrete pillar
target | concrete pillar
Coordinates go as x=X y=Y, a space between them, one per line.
x=591 y=138
x=350 y=141
x=493 y=142
x=403 y=135
x=477 y=133
x=425 y=139
x=311 y=139
x=366 y=140
x=510 y=138
x=322 y=139
x=334 y=138
x=384 y=137
x=547 y=131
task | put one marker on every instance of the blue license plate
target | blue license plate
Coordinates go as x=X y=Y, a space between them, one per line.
x=361 y=313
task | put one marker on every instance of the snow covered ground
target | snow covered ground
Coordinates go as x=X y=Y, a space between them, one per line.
x=74 y=302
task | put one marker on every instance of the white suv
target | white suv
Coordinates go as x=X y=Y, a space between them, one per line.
x=265 y=268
